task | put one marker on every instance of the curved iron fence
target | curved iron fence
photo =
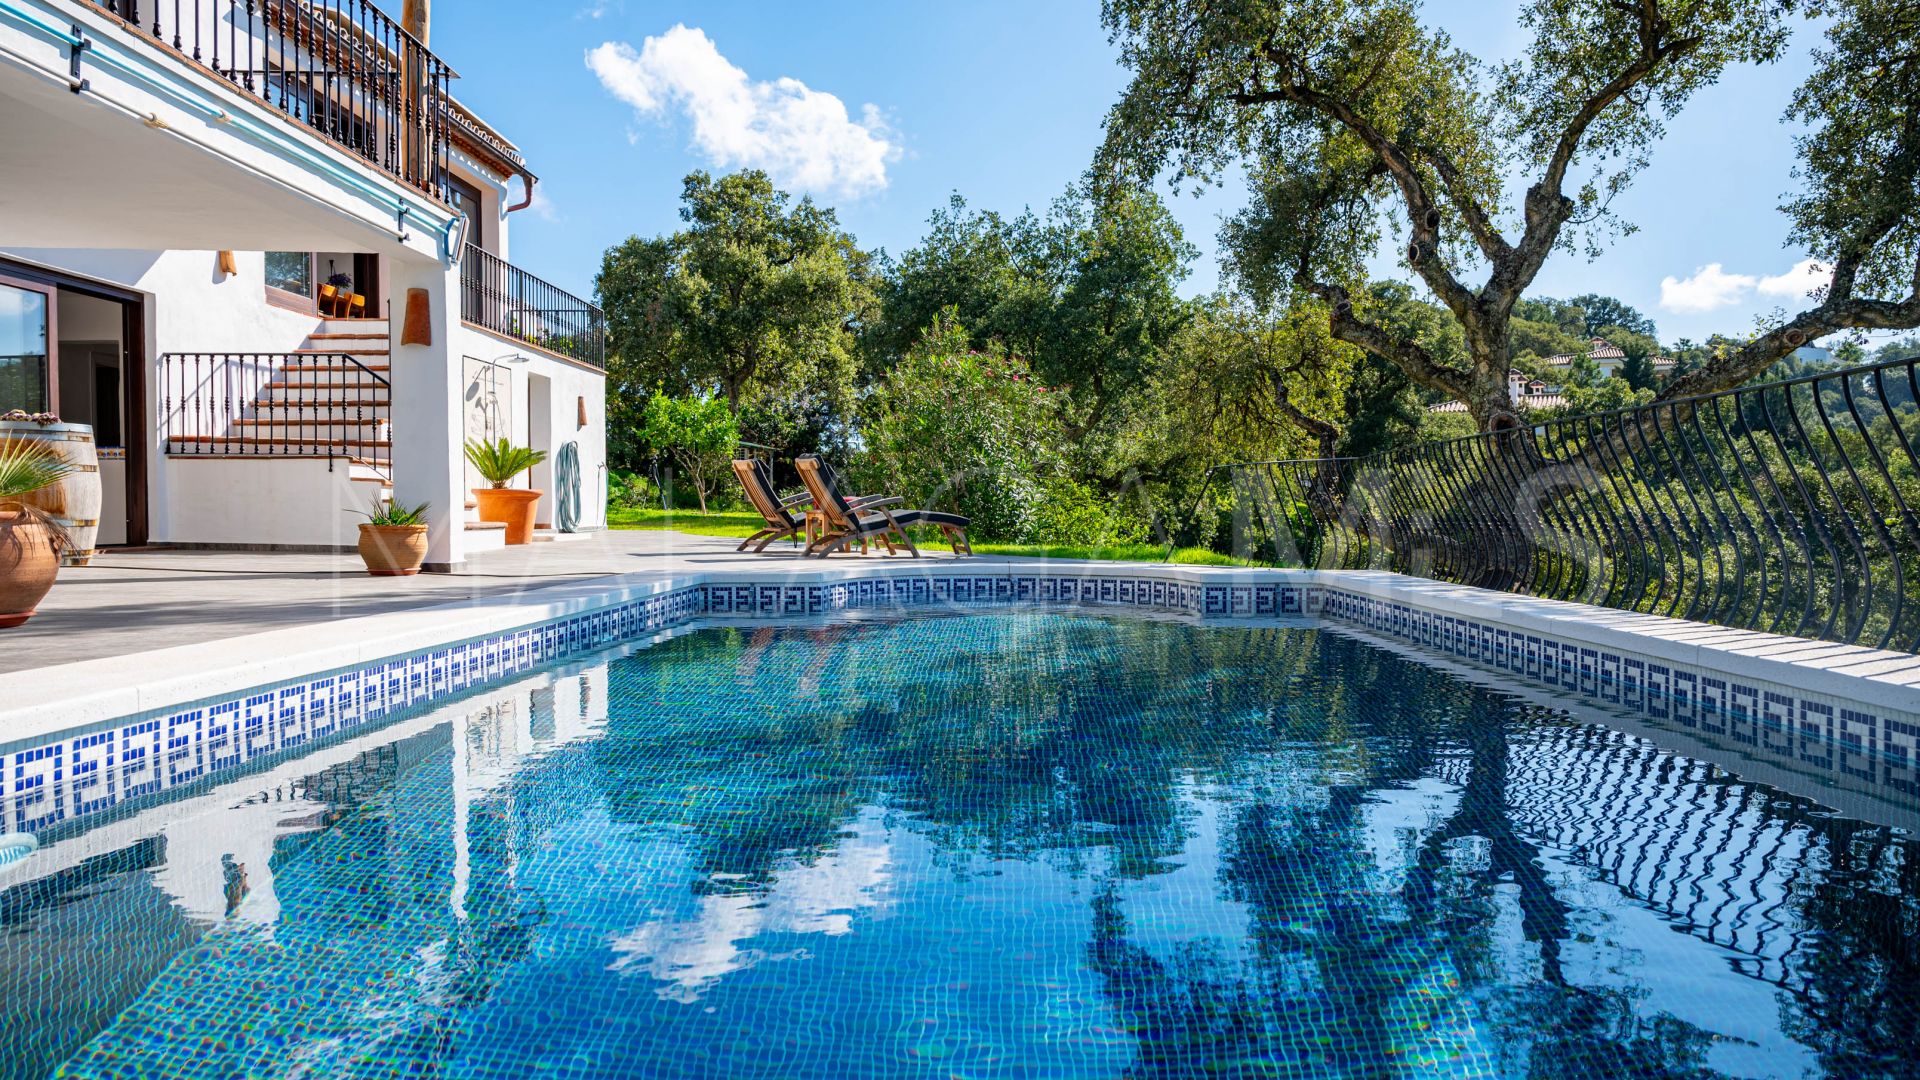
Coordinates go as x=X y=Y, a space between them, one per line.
x=1788 y=507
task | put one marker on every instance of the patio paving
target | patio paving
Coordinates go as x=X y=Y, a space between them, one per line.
x=134 y=601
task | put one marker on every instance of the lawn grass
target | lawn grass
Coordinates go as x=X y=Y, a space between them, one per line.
x=740 y=524
x=743 y=523
x=1151 y=553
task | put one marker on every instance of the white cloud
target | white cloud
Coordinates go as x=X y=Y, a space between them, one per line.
x=1709 y=288
x=803 y=137
x=600 y=9
x=1805 y=276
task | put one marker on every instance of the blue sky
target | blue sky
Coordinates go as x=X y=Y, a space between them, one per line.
x=884 y=109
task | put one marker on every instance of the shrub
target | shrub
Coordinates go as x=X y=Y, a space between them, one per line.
x=1070 y=513
x=699 y=434
x=954 y=429
x=630 y=491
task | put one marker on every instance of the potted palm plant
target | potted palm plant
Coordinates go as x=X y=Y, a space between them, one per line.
x=30 y=541
x=393 y=541
x=498 y=462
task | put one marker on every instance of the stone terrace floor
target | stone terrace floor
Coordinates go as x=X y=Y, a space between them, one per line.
x=136 y=600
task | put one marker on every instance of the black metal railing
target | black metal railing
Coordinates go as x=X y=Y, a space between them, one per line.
x=309 y=405
x=501 y=297
x=1788 y=507
x=341 y=67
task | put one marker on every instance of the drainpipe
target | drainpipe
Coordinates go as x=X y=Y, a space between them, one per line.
x=526 y=175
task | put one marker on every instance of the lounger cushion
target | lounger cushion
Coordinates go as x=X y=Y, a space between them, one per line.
x=912 y=517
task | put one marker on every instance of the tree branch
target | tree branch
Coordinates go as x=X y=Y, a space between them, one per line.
x=1547 y=207
x=1838 y=312
x=1493 y=245
x=1423 y=215
x=1408 y=356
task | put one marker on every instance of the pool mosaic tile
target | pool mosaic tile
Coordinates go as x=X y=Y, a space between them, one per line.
x=1028 y=841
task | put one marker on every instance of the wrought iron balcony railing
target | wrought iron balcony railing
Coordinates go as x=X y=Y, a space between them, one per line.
x=501 y=297
x=340 y=67
x=1788 y=507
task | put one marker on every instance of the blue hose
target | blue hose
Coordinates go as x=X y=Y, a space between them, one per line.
x=566 y=478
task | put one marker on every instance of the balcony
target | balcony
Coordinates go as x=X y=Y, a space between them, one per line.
x=341 y=68
x=498 y=296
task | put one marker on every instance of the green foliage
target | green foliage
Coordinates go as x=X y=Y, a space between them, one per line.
x=698 y=433
x=1600 y=396
x=393 y=513
x=1350 y=115
x=1859 y=208
x=956 y=429
x=756 y=299
x=27 y=465
x=1603 y=316
x=630 y=491
x=1086 y=295
x=1070 y=513
x=1546 y=327
x=499 y=462
x=1637 y=368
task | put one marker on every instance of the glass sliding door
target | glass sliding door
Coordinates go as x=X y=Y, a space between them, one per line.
x=27 y=374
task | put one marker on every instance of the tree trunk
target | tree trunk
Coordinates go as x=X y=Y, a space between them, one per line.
x=1489 y=398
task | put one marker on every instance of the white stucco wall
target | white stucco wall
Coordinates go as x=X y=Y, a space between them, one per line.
x=569 y=384
x=293 y=501
x=190 y=307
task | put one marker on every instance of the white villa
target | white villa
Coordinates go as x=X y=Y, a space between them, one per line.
x=1606 y=356
x=1533 y=392
x=262 y=248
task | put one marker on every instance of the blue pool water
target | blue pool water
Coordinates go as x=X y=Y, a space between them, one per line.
x=1015 y=844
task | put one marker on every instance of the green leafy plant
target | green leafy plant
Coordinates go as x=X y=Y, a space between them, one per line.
x=698 y=433
x=500 y=461
x=393 y=513
x=26 y=467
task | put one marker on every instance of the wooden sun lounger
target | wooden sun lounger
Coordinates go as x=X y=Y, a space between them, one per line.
x=781 y=524
x=857 y=518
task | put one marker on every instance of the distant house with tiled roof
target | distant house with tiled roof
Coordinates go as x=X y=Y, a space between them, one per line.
x=1608 y=357
x=1526 y=391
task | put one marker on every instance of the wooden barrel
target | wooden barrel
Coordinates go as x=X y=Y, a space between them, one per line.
x=75 y=501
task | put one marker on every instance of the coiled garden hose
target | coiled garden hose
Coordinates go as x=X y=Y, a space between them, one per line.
x=566 y=478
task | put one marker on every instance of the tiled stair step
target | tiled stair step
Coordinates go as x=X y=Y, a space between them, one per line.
x=309 y=431
x=270 y=421
x=307 y=369
x=381 y=351
x=323 y=384
x=351 y=335
x=486 y=535
x=316 y=410
x=315 y=402
x=266 y=441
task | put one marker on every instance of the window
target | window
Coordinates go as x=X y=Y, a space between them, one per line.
x=26 y=324
x=290 y=271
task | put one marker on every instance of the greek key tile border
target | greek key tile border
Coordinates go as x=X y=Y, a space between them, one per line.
x=82 y=773
x=1789 y=726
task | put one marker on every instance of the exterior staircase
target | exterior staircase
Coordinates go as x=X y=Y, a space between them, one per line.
x=331 y=398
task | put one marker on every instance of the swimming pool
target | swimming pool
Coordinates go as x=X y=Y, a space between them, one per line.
x=1005 y=843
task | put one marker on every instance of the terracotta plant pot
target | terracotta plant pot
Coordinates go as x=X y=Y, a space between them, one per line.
x=29 y=561
x=393 y=550
x=515 y=506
